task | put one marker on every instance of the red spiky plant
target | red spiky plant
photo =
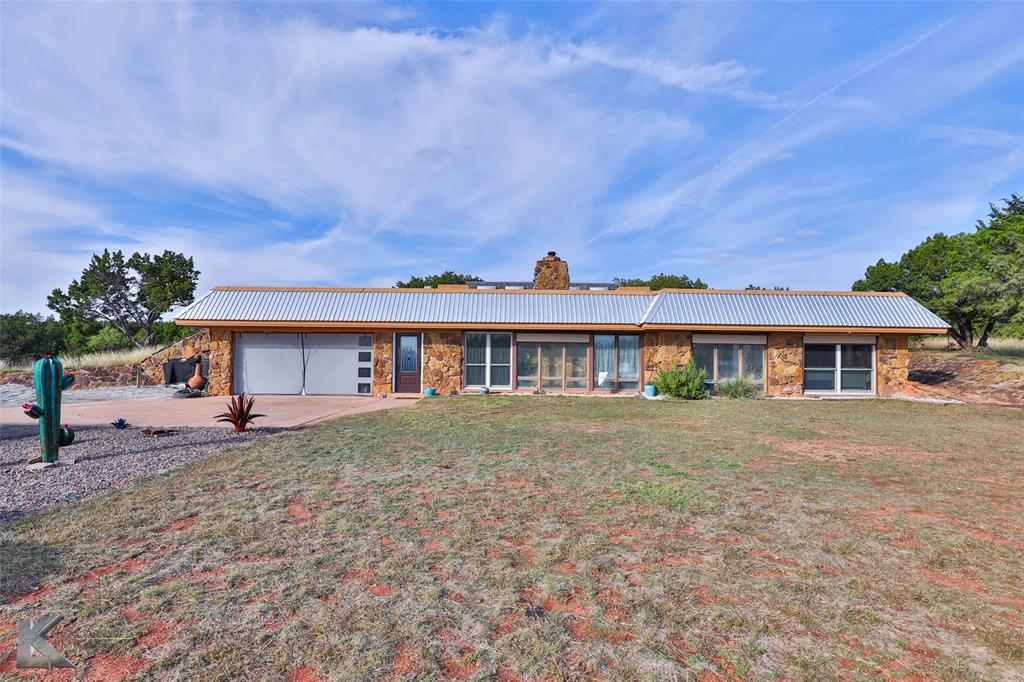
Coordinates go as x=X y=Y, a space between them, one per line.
x=239 y=412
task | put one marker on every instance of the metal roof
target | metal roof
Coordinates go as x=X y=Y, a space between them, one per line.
x=529 y=307
x=791 y=310
x=441 y=307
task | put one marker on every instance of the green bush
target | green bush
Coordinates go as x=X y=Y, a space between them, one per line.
x=108 y=339
x=686 y=383
x=739 y=388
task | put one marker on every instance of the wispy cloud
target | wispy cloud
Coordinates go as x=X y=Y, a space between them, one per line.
x=328 y=144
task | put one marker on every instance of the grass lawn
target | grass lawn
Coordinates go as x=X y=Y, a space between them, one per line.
x=556 y=538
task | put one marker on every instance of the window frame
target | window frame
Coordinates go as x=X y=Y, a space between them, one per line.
x=488 y=364
x=740 y=368
x=563 y=355
x=616 y=347
x=838 y=368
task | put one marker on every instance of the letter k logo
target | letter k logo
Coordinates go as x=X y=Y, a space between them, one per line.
x=33 y=650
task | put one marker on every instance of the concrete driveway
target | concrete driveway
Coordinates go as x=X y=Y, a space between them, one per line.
x=281 y=410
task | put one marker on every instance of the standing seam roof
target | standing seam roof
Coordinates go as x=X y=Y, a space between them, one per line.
x=704 y=308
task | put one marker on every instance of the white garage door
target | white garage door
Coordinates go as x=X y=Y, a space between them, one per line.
x=311 y=364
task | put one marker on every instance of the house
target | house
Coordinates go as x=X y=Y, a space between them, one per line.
x=551 y=335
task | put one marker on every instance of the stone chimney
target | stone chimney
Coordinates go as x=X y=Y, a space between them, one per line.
x=551 y=273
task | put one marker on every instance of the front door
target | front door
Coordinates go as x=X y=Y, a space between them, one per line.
x=407 y=362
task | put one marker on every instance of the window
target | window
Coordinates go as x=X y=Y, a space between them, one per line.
x=730 y=360
x=364 y=356
x=552 y=365
x=489 y=360
x=616 y=362
x=364 y=372
x=363 y=388
x=839 y=368
x=366 y=340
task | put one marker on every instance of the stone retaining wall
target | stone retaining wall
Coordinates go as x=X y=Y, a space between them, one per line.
x=784 y=360
x=213 y=344
x=183 y=349
x=90 y=377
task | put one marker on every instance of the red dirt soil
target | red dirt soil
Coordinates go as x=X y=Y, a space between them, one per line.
x=112 y=668
x=304 y=674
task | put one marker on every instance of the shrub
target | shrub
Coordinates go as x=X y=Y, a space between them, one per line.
x=686 y=383
x=739 y=388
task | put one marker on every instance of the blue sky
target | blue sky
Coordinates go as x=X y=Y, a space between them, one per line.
x=355 y=144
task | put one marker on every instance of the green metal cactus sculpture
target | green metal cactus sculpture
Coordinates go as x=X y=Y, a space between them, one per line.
x=50 y=382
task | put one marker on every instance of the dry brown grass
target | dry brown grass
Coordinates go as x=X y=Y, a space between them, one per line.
x=557 y=538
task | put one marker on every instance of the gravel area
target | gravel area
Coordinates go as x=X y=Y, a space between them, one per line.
x=12 y=395
x=105 y=458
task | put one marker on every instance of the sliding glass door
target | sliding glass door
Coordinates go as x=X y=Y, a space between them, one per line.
x=553 y=365
x=616 y=362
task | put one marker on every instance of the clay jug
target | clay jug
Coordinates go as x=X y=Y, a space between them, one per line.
x=197 y=381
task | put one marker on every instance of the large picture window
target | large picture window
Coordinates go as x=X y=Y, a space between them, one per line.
x=551 y=365
x=724 y=361
x=616 y=362
x=839 y=368
x=488 y=360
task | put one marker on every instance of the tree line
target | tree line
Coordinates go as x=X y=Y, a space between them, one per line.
x=973 y=280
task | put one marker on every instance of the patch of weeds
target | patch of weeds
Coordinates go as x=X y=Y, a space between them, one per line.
x=671 y=495
x=668 y=469
x=720 y=463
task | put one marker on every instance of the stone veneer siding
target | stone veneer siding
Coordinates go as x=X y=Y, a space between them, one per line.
x=663 y=350
x=442 y=361
x=383 y=361
x=784 y=359
x=893 y=364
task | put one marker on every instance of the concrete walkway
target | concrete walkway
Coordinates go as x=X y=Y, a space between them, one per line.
x=281 y=410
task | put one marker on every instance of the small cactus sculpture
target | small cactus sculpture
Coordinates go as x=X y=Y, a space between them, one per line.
x=50 y=381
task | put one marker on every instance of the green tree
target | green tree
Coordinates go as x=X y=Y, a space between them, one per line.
x=27 y=336
x=662 y=281
x=754 y=287
x=973 y=280
x=131 y=294
x=446 y=277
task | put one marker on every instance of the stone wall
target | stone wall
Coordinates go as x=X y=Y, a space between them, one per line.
x=383 y=360
x=442 y=361
x=784 y=369
x=663 y=350
x=221 y=356
x=90 y=377
x=893 y=364
x=183 y=349
x=551 y=272
x=215 y=345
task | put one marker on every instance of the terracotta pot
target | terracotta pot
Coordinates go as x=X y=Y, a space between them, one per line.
x=198 y=380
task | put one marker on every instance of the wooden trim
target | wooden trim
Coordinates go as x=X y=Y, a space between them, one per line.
x=590 y=364
x=515 y=364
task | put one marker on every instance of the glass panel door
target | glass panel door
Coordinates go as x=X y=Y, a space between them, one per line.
x=476 y=359
x=604 y=362
x=728 y=361
x=629 y=362
x=552 y=365
x=576 y=365
x=501 y=360
x=527 y=365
